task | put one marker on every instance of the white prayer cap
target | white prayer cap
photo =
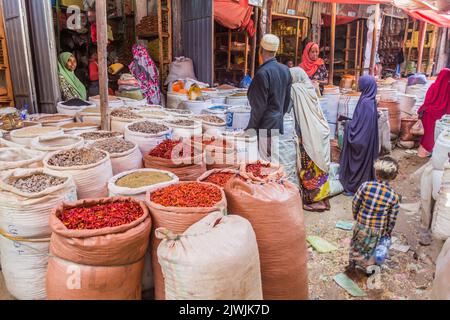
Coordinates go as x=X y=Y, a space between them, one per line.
x=270 y=42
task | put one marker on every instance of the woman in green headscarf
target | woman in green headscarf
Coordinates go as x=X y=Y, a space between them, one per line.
x=71 y=86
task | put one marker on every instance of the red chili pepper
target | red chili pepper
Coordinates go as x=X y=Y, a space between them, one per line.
x=189 y=195
x=165 y=149
x=256 y=169
x=219 y=178
x=101 y=216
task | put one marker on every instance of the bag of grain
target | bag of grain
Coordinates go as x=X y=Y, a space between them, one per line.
x=182 y=159
x=26 y=135
x=212 y=125
x=215 y=259
x=55 y=120
x=12 y=158
x=78 y=128
x=121 y=117
x=90 y=114
x=262 y=171
x=147 y=134
x=440 y=225
x=219 y=177
x=27 y=197
x=220 y=153
x=98 y=258
x=93 y=136
x=91 y=169
x=51 y=144
x=185 y=128
x=441 y=283
x=283 y=255
x=125 y=155
x=176 y=208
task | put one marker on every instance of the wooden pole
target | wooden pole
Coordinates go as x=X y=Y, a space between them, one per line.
x=422 y=33
x=333 y=42
x=297 y=35
x=102 y=50
x=254 y=43
x=433 y=44
x=374 y=40
x=356 y=54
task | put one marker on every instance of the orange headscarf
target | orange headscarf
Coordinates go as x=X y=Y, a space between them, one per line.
x=307 y=64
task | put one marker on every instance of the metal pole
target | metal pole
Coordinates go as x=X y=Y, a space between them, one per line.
x=333 y=40
x=102 y=50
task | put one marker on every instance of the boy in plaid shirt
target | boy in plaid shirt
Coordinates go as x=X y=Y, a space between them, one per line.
x=375 y=209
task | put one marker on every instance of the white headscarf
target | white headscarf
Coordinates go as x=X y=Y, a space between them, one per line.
x=309 y=116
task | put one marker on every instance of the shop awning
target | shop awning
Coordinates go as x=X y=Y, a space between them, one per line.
x=356 y=1
x=430 y=16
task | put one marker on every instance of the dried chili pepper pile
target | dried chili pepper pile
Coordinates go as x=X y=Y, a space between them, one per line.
x=257 y=168
x=220 y=178
x=165 y=150
x=101 y=216
x=187 y=195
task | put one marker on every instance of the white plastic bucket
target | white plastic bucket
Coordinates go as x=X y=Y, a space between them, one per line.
x=237 y=101
x=238 y=117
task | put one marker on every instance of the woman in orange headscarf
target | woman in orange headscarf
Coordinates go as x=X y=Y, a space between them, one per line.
x=313 y=65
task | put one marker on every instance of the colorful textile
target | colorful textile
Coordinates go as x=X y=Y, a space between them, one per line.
x=321 y=74
x=309 y=65
x=235 y=15
x=376 y=206
x=363 y=245
x=93 y=70
x=436 y=104
x=71 y=86
x=314 y=182
x=361 y=140
x=144 y=70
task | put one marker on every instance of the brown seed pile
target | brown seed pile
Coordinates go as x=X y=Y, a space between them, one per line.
x=114 y=145
x=99 y=135
x=148 y=127
x=76 y=157
x=125 y=113
x=184 y=123
x=36 y=183
x=180 y=111
x=75 y=125
x=211 y=119
x=54 y=118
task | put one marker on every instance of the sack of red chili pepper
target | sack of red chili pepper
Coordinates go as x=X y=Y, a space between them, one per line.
x=219 y=177
x=262 y=171
x=182 y=159
x=221 y=154
x=271 y=207
x=206 y=261
x=177 y=207
x=105 y=237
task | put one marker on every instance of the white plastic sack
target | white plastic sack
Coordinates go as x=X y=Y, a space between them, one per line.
x=288 y=158
x=384 y=131
x=426 y=196
x=126 y=161
x=146 y=141
x=91 y=180
x=12 y=158
x=51 y=144
x=24 y=267
x=440 y=226
x=215 y=259
x=441 y=283
x=333 y=178
x=180 y=69
x=437 y=181
x=138 y=193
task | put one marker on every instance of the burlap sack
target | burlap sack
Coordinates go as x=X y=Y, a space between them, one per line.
x=275 y=211
x=177 y=220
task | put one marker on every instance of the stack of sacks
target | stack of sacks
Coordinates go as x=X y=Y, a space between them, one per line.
x=129 y=87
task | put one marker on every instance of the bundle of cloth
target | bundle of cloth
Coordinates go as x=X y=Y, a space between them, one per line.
x=235 y=14
x=129 y=87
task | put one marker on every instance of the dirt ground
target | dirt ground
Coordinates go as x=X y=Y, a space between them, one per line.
x=404 y=276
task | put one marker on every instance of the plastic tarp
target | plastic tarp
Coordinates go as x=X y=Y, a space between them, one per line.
x=355 y=1
x=430 y=16
x=235 y=15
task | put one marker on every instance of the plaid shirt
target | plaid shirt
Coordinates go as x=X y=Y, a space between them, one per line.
x=376 y=205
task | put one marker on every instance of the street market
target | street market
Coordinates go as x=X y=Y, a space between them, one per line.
x=225 y=150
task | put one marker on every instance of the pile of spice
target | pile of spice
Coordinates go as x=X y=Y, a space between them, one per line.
x=36 y=183
x=220 y=178
x=184 y=123
x=148 y=127
x=154 y=113
x=180 y=111
x=257 y=169
x=33 y=131
x=100 y=216
x=142 y=179
x=75 y=125
x=114 y=145
x=54 y=118
x=76 y=157
x=76 y=103
x=211 y=119
x=91 y=110
x=125 y=113
x=97 y=135
x=188 y=195
x=165 y=150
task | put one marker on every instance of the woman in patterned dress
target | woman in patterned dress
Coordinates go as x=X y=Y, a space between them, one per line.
x=314 y=143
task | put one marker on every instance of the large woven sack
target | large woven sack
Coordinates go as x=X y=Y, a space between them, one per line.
x=181 y=68
x=215 y=259
x=118 y=124
x=126 y=161
x=275 y=172
x=52 y=144
x=177 y=220
x=146 y=141
x=25 y=232
x=220 y=156
x=271 y=207
x=13 y=158
x=441 y=283
x=188 y=169
x=205 y=176
x=91 y=180
x=440 y=225
x=107 y=252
